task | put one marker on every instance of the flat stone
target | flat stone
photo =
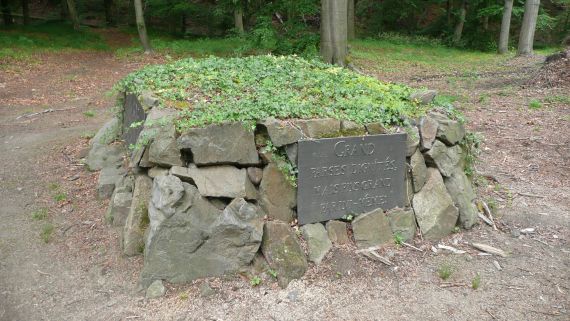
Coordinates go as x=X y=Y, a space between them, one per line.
x=191 y=239
x=276 y=195
x=317 y=128
x=163 y=150
x=119 y=208
x=317 y=241
x=228 y=143
x=461 y=192
x=137 y=220
x=101 y=156
x=423 y=97
x=282 y=132
x=435 y=213
x=148 y=100
x=126 y=184
x=413 y=141
x=419 y=170
x=371 y=229
x=337 y=232
x=255 y=175
x=403 y=223
x=347 y=126
x=157 y=171
x=375 y=128
x=428 y=131
x=292 y=152
x=218 y=181
x=450 y=131
x=446 y=159
x=155 y=290
x=108 y=178
x=283 y=252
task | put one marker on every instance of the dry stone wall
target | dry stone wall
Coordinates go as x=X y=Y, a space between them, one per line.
x=207 y=201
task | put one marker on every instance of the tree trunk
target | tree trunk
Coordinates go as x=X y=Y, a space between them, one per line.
x=73 y=14
x=238 y=19
x=109 y=19
x=459 y=27
x=526 y=37
x=334 y=31
x=183 y=25
x=448 y=12
x=505 y=27
x=6 y=13
x=141 y=26
x=351 y=31
x=26 y=12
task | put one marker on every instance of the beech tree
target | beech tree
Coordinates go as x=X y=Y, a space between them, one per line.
x=350 y=28
x=526 y=37
x=6 y=12
x=505 y=27
x=334 y=33
x=141 y=27
x=460 y=22
x=72 y=10
x=238 y=16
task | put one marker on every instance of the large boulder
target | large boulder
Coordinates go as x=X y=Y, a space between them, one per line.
x=462 y=194
x=276 y=195
x=450 y=131
x=446 y=159
x=190 y=238
x=218 y=181
x=103 y=153
x=428 y=132
x=402 y=223
x=137 y=220
x=282 y=132
x=317 y=240
x=108 y=178
x=412 y=141
x=229 y=143
x=435 y=213
x=337 y=232
x=423 y=97
x=419 y=170
x=283 y=252
x=371 y=229
x=318 y=128
x=163 y=150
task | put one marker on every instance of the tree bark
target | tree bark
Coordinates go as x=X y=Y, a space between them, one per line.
x=141 y=26
x=526 y=37
x=73 y=14
x=459 y=26
x=334 y=46
x=26 y=12
x=448 y=13
x=238 y=19
x=350 y=28
x=505 y=27
x=109 y=19
x=183 y=25
x=6 y=13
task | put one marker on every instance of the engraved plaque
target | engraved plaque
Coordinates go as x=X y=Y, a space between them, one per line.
x=350 y=175
x=133 y=113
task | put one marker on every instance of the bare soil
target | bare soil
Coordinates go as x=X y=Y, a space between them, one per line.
x=80 y=273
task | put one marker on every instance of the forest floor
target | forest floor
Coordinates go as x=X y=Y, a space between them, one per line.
x=60 y=261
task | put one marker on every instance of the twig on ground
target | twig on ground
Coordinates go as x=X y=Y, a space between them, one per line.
x=489 y=249
x=451 y=284
x=411 y=246
x=43 y=273
x=45 y=111
x=491 y=314
x=490 y=215
x=485 y=219
x=371 y=254
x=530 y=195
x=450 y=248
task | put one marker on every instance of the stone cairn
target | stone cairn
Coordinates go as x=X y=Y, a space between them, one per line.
x=208 y=201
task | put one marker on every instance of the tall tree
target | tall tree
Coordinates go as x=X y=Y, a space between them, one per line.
x=351 y=22
x=460 y=22
x=72 y=10
x=6 y=12
x=505 y=27
x=141 y=26
x=26 y=12
x=526 y=37
x=109 y=19
x=238 y=19
x=334 y=33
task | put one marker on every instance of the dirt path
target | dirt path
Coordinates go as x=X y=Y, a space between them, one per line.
x=80 y=274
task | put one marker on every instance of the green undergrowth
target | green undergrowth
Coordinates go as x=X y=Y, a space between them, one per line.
x=215 y=90
x=201 y=47
x=19 y=42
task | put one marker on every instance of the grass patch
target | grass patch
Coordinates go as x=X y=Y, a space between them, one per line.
x=215 y=90
x=89 y=113
x=476 y=282
x=561 y=99
x=46 y=232
x=445 y=271
x=255 y=281
x=535 y=104
x=40 y=214
x=60 y=197
x=20 y=42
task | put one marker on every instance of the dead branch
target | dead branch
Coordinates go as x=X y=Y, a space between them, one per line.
x=530 y=195
x=49 y=110
x=371 y=254
x=411 y=246
x=489 y=249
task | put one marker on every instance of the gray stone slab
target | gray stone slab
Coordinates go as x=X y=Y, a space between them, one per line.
x=132 y=113
x=350 y=175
